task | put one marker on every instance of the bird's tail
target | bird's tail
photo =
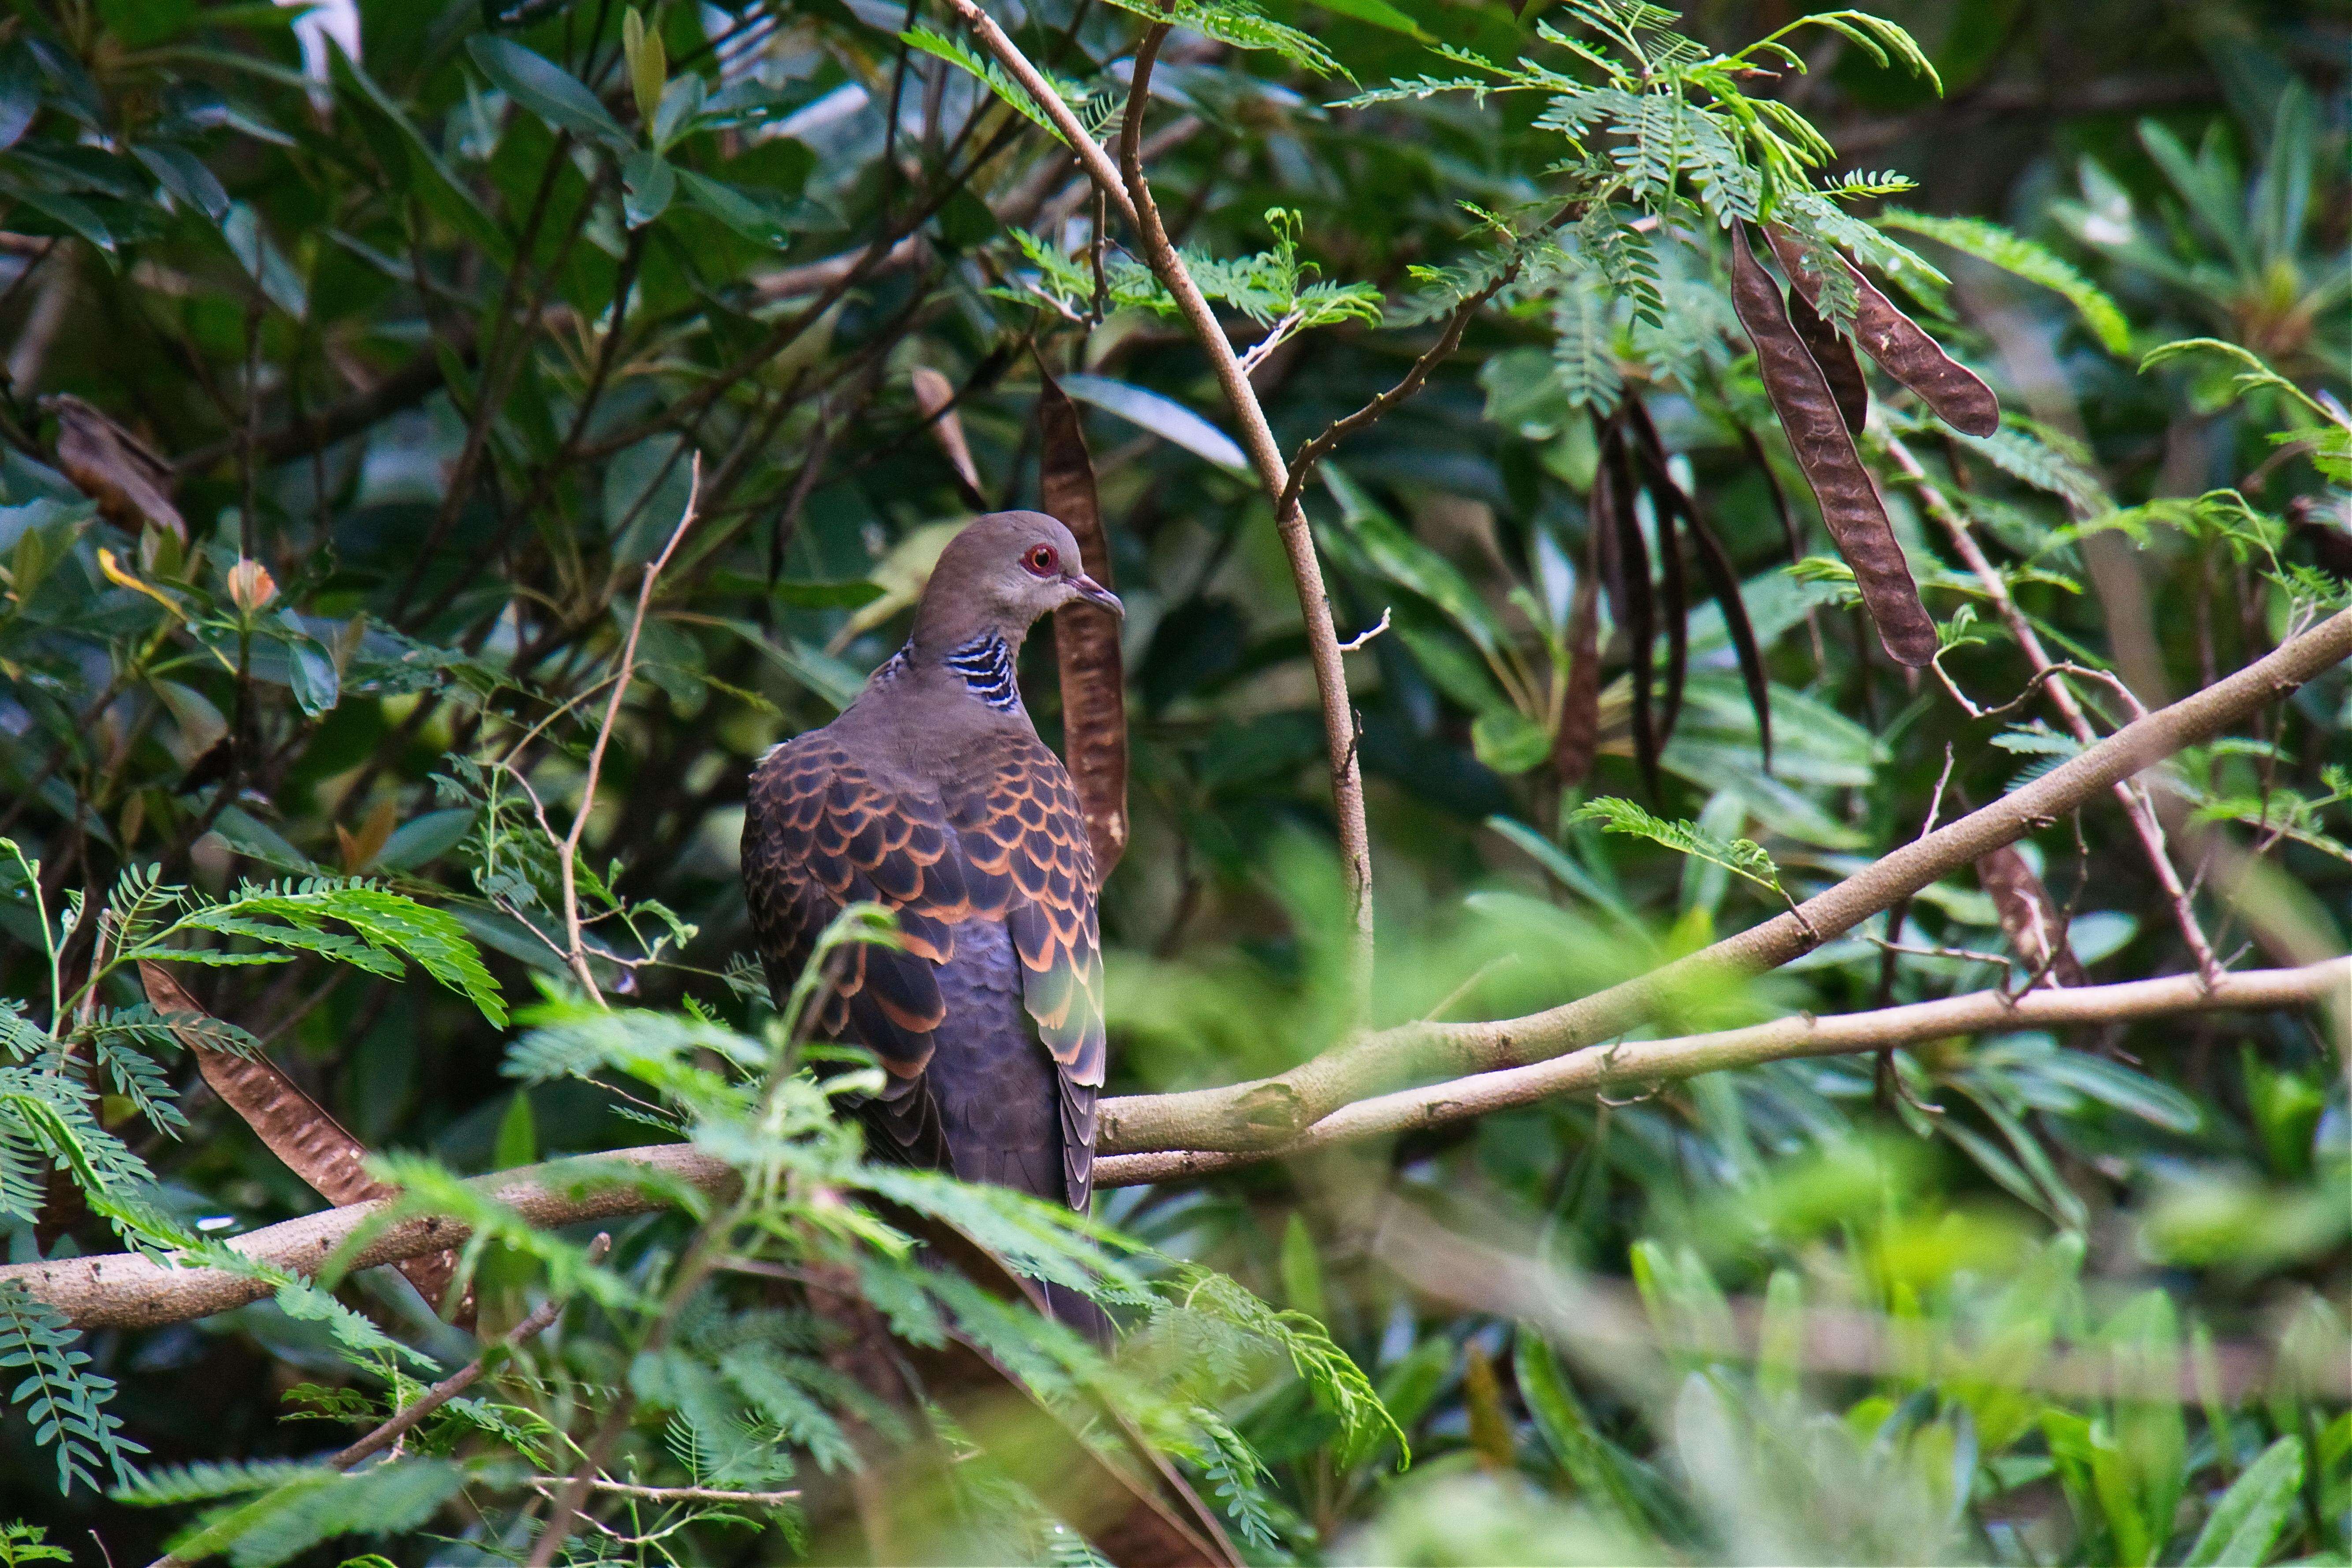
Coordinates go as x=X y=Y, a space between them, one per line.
x=1081 y=1313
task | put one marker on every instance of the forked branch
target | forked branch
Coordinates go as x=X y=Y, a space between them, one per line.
x=575 y=951
x=124 y=1290
x=2137 y=806
x=1272 y=1111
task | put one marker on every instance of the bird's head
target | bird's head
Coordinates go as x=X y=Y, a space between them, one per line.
x=1003 y=571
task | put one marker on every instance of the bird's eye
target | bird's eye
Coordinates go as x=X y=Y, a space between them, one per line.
x=1041 y=561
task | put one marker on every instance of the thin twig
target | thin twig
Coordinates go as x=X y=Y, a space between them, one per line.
x=671 y=1494
x=1302 y=466
x=575 y=954
x=1356 y=644
x=2135 y=802
x=405 y=1419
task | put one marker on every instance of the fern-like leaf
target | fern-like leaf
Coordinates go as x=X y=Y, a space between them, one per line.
x=1740 y=857
x=60 y=1396
x=2022 y=257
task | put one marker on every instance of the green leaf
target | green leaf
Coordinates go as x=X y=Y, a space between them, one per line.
x=1379 y=13
x=2112 y=1083
x=544 y=88
x=184 y=174
x=2014 y=254
x=648 y=61
x=72 y=216
x=2245 y=1524
x=1302 y=1271
x=647 y=183
x=1163 y=416
x=1508 y=741
x=1404 y=559
x=20 y=95
x=762 y=220
x=1568 y=1431
x=425 y=840
x=1740 y=857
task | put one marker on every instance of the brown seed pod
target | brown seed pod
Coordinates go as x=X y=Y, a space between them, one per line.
x=1086 y=636
x=2028 y=916
x=1834 y=355
x=297 y=1129
x=1715 y=564
x=1578 y=739
x=935 y=394
x=1900 y=346
x=132 y=485
x=1624 y=561
x=1825 y=451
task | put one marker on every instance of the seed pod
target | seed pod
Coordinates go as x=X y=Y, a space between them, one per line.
x=1834 y=355
x=1723 y=581
x=2030 y=919
x=1625 y=575
x=935 y=396
x=297 y=1129
x=131 y=484
x=1900 y=346
x=1579 y=736
x=1086 y=636
x=1825 y=450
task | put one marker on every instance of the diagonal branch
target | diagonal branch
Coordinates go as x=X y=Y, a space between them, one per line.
x=2135 y=802
x=406 y=1419
x=1647 y=1063
x=133 y=1290
x=1272 y=1110
x=576 y=949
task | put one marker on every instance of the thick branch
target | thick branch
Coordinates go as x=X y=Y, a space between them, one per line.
x=1646 y=1063
x=123 y=1291
x=126 y=1290
x=1272 y=1111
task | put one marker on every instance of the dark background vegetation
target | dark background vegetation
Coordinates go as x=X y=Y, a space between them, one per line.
x=370 y=336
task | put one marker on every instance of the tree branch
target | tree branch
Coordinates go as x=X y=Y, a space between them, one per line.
x=406 y=1419
x=127 y=1291
x=1272 y=1111
x=2136 y=803
x=133 y=1290
x=1127 y=188
x=1645 y=1063
x=575 y=951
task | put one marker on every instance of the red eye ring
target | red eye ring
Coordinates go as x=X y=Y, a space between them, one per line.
x=1041 y=561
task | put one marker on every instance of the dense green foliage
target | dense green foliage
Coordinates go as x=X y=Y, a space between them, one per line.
x=410 y=348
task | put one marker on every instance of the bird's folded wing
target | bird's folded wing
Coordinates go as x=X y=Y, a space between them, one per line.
x=825 y=832
x=1026 y=856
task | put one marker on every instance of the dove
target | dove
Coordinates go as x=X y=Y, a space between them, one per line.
x=933 y=795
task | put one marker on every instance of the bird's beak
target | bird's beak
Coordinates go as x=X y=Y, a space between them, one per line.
x=1094 y=592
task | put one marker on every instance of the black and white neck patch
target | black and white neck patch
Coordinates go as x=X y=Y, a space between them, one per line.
x=985 y=665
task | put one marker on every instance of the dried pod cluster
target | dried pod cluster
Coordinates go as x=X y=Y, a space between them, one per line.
x=1817 y=388
x=1633 y=464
